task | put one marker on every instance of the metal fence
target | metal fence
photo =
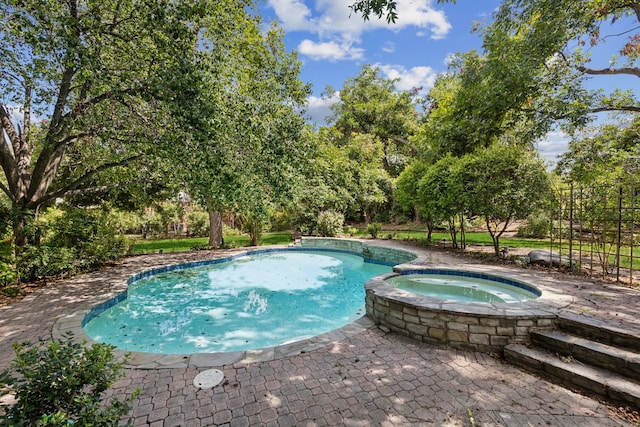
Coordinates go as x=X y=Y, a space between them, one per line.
x=594 y=229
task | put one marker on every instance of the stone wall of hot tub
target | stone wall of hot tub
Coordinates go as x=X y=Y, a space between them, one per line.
x=383 y=254
x=481 y=327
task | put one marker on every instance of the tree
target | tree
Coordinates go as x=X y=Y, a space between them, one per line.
x=442 y=194
x=86 y=76
x=344 y=175
x=538 y=52
x=406 y=192
x=544 y=34
x=502 y=183
x=370 y=104
x=243 y=119
x=610 y=155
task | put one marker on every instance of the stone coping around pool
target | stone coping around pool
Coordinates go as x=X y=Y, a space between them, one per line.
x=476 y=326
x=377 y=252
x=74 y=322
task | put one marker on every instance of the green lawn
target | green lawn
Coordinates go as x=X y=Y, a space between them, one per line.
x=186 y=244
x=473 y=238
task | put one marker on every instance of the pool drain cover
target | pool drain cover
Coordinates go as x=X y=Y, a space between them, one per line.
x=208 y=379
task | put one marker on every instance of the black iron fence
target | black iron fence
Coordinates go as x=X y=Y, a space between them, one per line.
x=594 y=228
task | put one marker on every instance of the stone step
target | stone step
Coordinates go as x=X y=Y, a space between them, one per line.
x=623 y=361
x=598 y=331
x=573 y=374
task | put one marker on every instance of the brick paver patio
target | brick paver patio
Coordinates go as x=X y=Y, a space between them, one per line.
x=368 y=379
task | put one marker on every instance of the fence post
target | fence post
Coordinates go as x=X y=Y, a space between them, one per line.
x=619 y=233
x=571 y=226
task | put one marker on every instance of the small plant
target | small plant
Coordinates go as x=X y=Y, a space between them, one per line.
x=330 y=223
x=8 y=274
x=351 y=231
x=61 y=383
x=472 y=419
x=373 y=229
x=10 y=291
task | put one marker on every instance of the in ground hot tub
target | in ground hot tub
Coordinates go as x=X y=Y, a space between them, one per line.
x=465 y=286
x=462 y=308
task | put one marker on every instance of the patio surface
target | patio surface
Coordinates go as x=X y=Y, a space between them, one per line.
x=368 y=378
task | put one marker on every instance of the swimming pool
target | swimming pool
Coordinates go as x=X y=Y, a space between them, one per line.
x=253 y=301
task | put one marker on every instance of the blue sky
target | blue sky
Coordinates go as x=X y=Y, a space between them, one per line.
x=333 y=46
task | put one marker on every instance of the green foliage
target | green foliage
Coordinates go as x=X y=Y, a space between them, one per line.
x=198 y=222
x=503 y=183
x=346 y=175
x=537 y=226
x=351 y=231
x=72 y=240
x=370 y=105
x=5 y=217
x=39 y=262
x=61 y=383
x=89 y=235
x=10 y=291
x=330 y=223
x=373 y=229
x=124 y=222
x=8 y=274
x=101 y=78
x=254 y=225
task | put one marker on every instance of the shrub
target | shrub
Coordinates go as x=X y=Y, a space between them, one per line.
x=8 y=274
x=351 y=231
x=10 y=291
x=330 y=223
x=38 y=262
x=536 y=226
x=373 y=229
x=198 y=222
x=89 y=234
x=61 y=383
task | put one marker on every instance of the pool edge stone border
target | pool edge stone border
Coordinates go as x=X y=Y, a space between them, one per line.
x=483 y=327
x=74 y=322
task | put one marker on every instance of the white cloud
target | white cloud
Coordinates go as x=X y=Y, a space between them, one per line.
x=449 y=59
x=331 y=51
x=553 y=145
x=408 y=79
x=388 y=47
x=333 y=22
x=319 y=108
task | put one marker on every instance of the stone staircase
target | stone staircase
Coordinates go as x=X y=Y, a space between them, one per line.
x=585 y=355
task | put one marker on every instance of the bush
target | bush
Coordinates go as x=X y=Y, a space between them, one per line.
x=8 y=274
x=61 y=383
x=373 y=229
x=536 y=226
x=38 y=262
x=330 y=223
x=351 y=231
x=89 y=234
x=198 y=223
x=10 y=291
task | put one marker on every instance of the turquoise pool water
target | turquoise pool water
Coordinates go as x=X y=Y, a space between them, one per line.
x=464 y=286
x=256 y=301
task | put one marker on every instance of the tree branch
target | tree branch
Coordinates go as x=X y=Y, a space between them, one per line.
x=634 y=71
x=630 y=108
x=74 y=187
x=7 y=155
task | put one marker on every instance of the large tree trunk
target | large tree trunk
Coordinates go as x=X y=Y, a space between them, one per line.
x=20 y=238
x=215 y=229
